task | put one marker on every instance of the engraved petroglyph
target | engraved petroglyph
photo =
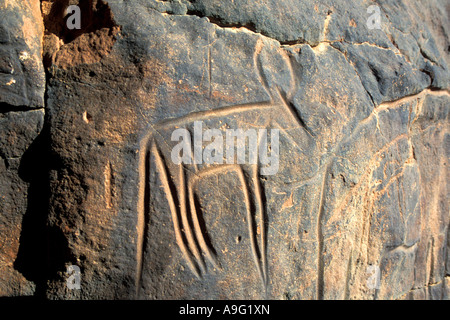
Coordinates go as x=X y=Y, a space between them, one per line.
x=179 y=183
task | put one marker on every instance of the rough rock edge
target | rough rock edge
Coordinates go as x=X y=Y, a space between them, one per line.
x=317 y=46
x=85 y=46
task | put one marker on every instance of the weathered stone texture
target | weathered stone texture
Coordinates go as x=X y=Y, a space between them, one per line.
x=363 y=165
x=18 y=130
x=22 y=78
x=22 y=85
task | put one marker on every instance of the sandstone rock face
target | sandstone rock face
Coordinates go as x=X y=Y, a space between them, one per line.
x=357 y=208
x=22 y=85
x=22 y=78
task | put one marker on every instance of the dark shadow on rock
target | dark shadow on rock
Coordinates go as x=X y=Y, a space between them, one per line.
x=42 y=250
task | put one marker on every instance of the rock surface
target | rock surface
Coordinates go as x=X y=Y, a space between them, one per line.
x=22 y=78
x=364 y=145
x=22 y=85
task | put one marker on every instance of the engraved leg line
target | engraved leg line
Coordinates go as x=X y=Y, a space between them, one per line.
x=252 y=234
x=251 y=229
x=173 y=208
x=210 y=171
x=143 y=207
x=198 y=230
x=184 y=216
x=320 y=237
x=262 y=222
